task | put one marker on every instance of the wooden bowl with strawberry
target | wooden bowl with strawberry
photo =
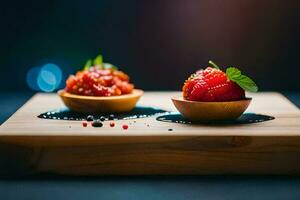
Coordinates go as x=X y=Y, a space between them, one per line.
x=99 y=88
x=214 y=95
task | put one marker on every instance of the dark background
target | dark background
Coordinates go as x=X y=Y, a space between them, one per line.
x=158 y=42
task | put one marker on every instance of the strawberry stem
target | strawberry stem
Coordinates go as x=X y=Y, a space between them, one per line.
x=214 y=64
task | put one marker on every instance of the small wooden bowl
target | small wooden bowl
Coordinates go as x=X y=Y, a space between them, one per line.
x=90 y=104
x=210 y=111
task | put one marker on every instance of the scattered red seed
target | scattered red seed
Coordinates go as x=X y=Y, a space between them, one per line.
x=125 y=126
x=112 y=124
x=84 y=124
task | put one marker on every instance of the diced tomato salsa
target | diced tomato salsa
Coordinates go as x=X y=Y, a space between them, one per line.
x=99 y=82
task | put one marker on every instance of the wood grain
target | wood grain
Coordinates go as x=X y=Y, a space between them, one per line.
x=65 y=147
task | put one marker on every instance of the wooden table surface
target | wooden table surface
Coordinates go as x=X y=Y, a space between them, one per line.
x=26 y=123
x=65 y=147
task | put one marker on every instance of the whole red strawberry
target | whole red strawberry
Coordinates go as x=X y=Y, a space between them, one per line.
x=213 y=85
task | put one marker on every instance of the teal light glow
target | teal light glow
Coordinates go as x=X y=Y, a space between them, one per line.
x=31 y=78
x=46 y=79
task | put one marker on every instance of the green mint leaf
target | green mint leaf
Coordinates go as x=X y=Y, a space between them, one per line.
x=243 y=81
x=98 y=60
x=88 y=64
x=213 y=64
x=109 y=66
x=247 y=83
x=233 y=72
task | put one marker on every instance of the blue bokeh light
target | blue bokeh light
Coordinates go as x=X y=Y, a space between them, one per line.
x=31 y=78
x=46 y=81
x=55 y=70
x=47 y=78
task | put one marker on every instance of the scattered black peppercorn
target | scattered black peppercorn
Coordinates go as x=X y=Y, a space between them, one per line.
x=90 y=118
x=111 y=117
x=170 y=129
x=102 y=119
x=97 y=123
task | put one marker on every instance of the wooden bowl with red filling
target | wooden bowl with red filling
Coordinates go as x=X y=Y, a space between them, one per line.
x=91 y=104
x=214 y=95
x=211 y=111
x=100 y=88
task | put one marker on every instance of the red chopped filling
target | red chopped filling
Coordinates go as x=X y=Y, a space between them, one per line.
x=99 y=82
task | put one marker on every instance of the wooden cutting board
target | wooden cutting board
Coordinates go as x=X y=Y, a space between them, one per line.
x=147 y=147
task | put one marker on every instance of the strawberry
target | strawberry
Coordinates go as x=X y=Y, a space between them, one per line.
x=214 y=85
